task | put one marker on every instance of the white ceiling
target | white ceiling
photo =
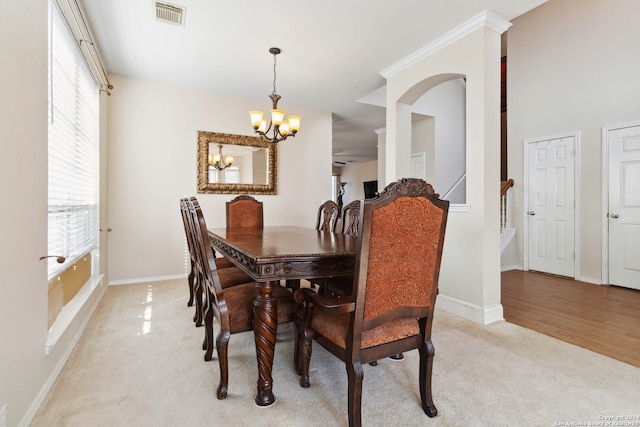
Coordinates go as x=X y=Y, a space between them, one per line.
x=332 y=50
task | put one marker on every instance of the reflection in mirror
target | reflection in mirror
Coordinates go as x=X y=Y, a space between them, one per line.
x=236 y=164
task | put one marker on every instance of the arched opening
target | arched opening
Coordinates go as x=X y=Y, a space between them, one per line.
x=438 y=133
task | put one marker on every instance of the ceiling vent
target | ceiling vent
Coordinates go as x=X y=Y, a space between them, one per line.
x=169 y=14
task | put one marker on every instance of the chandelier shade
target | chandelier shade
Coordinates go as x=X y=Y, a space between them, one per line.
x=218 y=161
x=279 y=127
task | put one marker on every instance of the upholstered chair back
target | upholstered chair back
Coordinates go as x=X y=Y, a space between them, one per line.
x=244 y=212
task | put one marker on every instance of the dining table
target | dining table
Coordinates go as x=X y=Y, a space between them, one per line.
x=271 y=254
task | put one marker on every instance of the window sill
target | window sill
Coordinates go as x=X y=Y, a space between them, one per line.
x=70 y=311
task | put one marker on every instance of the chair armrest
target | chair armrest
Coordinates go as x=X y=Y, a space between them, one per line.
x=327 y=305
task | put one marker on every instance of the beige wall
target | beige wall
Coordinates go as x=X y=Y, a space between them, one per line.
x=152 y=164
x=26 y=371
x=572 y=67
x=23 y=217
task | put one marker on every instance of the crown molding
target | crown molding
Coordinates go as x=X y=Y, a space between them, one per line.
x=486 y=18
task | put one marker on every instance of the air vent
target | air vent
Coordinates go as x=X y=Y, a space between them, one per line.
x=169 y=14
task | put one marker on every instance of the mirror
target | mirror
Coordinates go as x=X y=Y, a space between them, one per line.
x=252 y=171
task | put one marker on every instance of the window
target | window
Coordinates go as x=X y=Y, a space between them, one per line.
x=73 y=150
x=231 y=175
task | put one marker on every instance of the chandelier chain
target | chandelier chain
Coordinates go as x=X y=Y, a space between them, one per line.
x=274 y=73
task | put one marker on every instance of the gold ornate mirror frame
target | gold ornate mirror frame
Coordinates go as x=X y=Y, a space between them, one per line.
x=204 y=186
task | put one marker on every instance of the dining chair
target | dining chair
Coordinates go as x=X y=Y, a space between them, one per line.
x=350 y=218
x=188 y=229
x=231 y=275
x=341 y=286
x=244 y=211
x=391 y=308
x=327 y=220
x=231 y=306
x=327 y=216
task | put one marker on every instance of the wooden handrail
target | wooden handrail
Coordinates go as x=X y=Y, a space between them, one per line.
x=507 y=185
x=504 y=204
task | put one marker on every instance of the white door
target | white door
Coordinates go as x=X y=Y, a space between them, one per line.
x=551 y=205
x=417 y=166
x=624 y=207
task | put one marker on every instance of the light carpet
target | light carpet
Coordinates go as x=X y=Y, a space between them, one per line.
x=140 y=363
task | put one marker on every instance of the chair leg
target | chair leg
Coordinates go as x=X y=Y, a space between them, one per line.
x=355 y=375
x=222 y=343
x=208 y=344
x=191 y=283
x=304 y=356
x=197 y=317
x=296 y=345
x=427 y=351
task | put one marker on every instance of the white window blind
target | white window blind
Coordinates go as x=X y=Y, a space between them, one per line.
x=73 y=149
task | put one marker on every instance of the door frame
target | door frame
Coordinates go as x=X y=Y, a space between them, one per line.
x=576 y=196
x=605 y=194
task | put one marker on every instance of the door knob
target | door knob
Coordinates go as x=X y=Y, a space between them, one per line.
x=532 y=213
x=614 y=215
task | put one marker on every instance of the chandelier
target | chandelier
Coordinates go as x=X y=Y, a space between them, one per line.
x=218 y=161
x=281 y=128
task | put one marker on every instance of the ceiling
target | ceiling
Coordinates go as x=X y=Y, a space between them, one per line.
x=332 y=50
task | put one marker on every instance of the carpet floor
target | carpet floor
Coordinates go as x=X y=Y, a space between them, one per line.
x=140 y=363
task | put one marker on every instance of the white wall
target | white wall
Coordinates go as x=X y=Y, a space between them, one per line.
x=152 y=164
x=470 y=271
x=572 y=65
x=354 y=174
x=446 y=103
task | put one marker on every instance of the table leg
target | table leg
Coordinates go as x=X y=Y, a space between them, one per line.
x=265 y=326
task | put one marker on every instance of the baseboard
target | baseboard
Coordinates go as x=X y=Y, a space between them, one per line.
x=510 y=267
x=589 y=280
x=96 y=294
x=146 y=279
x=482 y=315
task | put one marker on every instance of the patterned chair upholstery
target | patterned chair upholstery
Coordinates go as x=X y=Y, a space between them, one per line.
x=244 y=211
x=391 y=308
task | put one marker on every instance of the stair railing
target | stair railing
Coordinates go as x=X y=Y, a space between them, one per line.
x=504 y=204
x=454 y=186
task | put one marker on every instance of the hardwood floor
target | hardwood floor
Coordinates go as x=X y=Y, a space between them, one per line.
x=604 y=319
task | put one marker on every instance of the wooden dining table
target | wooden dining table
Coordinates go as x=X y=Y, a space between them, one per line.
x=272 y=254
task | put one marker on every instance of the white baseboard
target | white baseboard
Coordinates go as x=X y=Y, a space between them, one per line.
x=482 y=315
x=578 y=278
x=589 y=280
x=146 y=279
